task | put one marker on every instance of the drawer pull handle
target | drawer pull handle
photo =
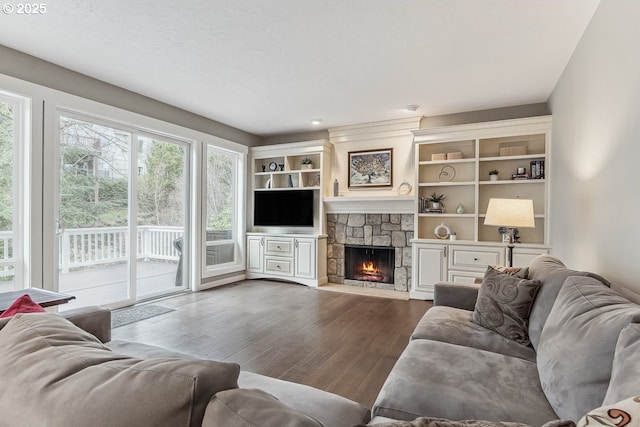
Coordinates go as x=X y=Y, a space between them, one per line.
x=278 y=267
x=475 y=259
x=279 y=247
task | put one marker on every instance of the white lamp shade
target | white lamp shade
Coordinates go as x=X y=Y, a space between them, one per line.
x=510 y=213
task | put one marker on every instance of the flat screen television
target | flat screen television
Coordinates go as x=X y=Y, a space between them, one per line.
x=283 y=208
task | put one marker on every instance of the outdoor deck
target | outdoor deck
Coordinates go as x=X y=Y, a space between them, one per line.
x=107 y=284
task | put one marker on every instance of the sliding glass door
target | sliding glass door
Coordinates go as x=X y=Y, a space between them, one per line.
x=122 y=209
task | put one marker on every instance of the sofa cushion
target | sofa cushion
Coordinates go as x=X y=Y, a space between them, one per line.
x=625 y=373
x=443 y=380
x=308 y=400
x=625 y=413
x=252 y=408
x=439 y=422
x=503 y=305
x=55 y=374
x=577 y=344
x=552 y=273
x=454 y=325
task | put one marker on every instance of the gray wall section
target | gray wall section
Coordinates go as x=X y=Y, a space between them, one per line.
x=505 y=113
x=25 y=67
x=596 y=153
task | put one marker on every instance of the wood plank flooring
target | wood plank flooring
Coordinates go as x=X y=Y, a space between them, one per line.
x=342 y=343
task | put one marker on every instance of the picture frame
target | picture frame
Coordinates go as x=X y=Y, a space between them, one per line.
x=371 y=168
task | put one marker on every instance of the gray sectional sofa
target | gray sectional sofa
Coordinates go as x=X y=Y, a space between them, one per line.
x=584 y=352
x=455 y=369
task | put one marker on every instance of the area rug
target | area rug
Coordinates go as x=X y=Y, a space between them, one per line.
x=126 y=316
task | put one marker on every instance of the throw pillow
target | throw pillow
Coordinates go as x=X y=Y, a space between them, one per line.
x=504 y=303
x=578 y=343
x=23 y=304
x=625 y=372
x=55 y=374
x=625 y=413
x=245 y=407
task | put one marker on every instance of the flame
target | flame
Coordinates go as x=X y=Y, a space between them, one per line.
x=369 y=268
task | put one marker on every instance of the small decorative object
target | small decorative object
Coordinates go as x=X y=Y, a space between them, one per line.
x=404 y=188
x=453 y=236
x=447 y=173
x=460 y=208
x=273 y=166
x=493 y=175
x=537 y=169
x=264 y=168
x=521 y=171
x=289 y=181
x=281 y=166
x=306 y=163
x=455 y=155
x=442 y=231
x=371 y=168
x=436 y=200
x=268 y=183
x=438 y=156
x=336 y=188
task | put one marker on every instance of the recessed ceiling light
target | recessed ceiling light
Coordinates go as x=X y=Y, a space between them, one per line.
x=412 y=107
x=316 y=122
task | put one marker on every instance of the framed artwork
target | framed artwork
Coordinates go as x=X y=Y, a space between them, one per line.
x=371 y=168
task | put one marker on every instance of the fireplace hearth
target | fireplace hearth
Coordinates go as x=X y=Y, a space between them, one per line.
x=369 y=263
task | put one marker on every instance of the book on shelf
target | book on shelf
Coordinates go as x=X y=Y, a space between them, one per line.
x=537 y=169
x=517 y=176
x=433 y=210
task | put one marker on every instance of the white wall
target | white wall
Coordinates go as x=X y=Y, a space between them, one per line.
x=595 y=193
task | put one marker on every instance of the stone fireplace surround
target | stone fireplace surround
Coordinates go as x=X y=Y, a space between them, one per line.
x=395 y=230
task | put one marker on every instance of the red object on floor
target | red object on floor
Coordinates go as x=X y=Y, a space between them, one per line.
x=24 y=304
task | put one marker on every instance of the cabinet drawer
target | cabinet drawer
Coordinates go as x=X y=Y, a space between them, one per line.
x=280 y=246
x=475 y=258
x=466 y=277
x=282 y=267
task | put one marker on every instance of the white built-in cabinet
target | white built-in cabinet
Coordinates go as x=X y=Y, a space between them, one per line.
x=456 y=161
x=298 y=258
x=298 y=254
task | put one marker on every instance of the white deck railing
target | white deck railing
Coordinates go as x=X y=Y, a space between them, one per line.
x=81 y=247
x=6 y=253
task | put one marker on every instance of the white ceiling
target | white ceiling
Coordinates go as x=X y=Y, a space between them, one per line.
x=269 y=67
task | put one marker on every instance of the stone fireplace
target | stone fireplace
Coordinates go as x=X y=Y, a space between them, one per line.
x=385 y=232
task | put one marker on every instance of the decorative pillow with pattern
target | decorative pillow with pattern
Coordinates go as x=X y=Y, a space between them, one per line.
x=625 y=413
x=504 y=303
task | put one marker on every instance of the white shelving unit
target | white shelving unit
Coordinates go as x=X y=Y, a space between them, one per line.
x=466 y=180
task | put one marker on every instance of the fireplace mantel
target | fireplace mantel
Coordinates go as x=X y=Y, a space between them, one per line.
x=370 y=204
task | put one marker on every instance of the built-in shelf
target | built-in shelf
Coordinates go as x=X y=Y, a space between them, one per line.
x=373 y=204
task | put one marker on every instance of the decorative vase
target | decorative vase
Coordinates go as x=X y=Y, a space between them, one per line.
x=436 y=205
x=493 y=177
x=307 y=166
x=289 y=181
x=460 y=208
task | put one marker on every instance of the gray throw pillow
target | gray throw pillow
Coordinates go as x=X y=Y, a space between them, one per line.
x=55 y=374
x=578 y=342
x=246 y=407
x=439 y=422
x=625 y=374
x=504 y=303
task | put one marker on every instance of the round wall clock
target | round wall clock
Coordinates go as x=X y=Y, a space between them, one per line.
x=273 y=166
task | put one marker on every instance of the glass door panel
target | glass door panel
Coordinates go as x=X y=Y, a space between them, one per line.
x=161 y=217
x=93 y=210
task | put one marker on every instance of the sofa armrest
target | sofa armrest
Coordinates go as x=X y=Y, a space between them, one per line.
x=456 y=295
x=93 y=319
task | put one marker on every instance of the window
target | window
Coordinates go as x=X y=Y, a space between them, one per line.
x=13 y=140
x=222 y=216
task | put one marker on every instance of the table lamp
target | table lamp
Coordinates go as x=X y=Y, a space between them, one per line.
x=511 y=214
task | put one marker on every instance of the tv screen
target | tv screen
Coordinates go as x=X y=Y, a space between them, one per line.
x=290 y=208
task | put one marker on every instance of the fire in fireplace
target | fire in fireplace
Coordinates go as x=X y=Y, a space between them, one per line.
x=369 y=263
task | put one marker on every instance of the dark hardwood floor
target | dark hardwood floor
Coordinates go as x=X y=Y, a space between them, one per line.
x=342 y=343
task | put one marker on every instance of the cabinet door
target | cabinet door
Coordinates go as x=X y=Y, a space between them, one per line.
x=305 y=258
x=255 y=245
x=431 y=266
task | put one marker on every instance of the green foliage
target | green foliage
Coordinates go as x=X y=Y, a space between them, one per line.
x=219 y=192
x=6 y=166
x=437 y=198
